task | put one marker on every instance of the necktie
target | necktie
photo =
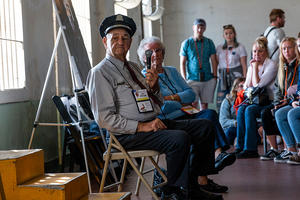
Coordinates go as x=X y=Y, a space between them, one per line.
x=137 y=81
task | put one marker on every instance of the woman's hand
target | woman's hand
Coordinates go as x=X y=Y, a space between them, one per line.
x=151 y=77
x=173 y=97
x=252 y=61
x=284 y=103
x=295 y=104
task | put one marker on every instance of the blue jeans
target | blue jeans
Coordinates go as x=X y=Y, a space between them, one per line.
x=220 y=137
x=247 y=138
x=288 y=121
x=230 y=134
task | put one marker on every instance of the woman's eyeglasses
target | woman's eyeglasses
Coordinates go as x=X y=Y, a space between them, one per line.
x=158 y=50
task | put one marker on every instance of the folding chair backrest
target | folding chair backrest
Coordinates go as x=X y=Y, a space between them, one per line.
x=66 y=106
x=60 y=103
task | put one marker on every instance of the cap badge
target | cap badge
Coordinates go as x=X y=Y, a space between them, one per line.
x=119 y=18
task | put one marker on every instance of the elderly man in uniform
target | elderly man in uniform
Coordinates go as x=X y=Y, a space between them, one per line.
x=115 y=86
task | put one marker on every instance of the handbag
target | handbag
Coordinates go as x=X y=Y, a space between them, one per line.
x=257 y=95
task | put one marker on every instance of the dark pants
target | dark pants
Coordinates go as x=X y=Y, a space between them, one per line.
x=230 y=134
x=268 y=121
x=220 y=137
x=183 y=141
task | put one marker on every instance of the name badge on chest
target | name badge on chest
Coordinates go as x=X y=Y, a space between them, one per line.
x=142 y=100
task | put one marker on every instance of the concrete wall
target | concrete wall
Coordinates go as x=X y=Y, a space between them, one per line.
x=16 y=119
x=250 y=19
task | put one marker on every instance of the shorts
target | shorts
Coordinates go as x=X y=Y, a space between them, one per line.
x=204 y=90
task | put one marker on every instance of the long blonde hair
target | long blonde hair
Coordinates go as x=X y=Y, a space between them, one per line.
x=283 y=61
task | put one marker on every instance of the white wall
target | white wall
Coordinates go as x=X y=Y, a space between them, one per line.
x=250 y=18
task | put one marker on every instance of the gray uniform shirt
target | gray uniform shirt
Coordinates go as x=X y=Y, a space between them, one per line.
x=110 y=86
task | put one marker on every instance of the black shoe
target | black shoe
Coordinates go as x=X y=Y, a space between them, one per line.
x=237 y=151
x=270 y=155
x=173 y=193
x=172 y=196
x=199 y=193
x=211 y=186
x=247 y=154
x=224 y=159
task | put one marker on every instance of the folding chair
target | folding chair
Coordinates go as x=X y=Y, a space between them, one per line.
x=116 y=151
x=94 y=144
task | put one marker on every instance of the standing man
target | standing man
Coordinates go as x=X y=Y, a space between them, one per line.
x=127 y=105
x=274 y=33
x=195 y=54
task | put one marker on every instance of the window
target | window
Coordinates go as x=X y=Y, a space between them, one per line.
x=82 y=11
x=12 y=66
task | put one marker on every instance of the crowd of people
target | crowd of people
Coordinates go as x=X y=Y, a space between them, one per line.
x=160 y=109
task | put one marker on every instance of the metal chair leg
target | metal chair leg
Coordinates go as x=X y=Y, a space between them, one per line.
x=138 y=183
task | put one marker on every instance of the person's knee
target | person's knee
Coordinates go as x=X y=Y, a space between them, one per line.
x=250 y=110
x=180 y=139
x=210 y=114
x=280 y=115
x=291 y=115
x=241 y=111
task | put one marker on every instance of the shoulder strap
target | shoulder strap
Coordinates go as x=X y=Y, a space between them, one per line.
x=274 y=52
x=274 y=27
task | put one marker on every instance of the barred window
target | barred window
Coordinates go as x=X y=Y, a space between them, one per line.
x=12 y=66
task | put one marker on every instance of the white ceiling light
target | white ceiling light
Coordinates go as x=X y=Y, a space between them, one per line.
x=128 y=4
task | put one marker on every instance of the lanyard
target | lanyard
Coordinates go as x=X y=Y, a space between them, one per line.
x=167 y=83
x=137 y=81
x=227 y=58
x=200 y=63
x=295 y=68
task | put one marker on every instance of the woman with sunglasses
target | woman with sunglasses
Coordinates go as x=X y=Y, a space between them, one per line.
x=232 y=58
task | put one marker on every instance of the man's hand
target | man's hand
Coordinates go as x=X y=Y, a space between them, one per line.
x=153 y=125
x=151 y=77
